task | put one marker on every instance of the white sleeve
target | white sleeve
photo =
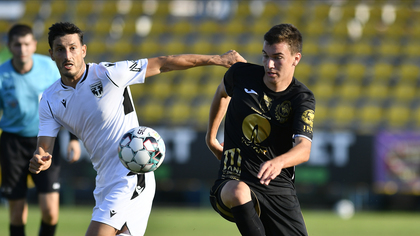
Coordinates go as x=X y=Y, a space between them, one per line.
x=48 y=126
x=124 y=73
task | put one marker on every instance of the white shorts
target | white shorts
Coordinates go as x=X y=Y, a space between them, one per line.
x=126 y=202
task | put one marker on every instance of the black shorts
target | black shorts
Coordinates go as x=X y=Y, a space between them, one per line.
x=15 y=153
x=280 y=214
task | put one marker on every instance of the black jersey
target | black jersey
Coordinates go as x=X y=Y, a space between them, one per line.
x=261 y=124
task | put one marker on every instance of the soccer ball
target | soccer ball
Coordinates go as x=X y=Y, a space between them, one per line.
x=141 y=150
x=345 y=209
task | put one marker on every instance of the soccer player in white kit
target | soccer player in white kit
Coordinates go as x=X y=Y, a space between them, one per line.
x=93 y=101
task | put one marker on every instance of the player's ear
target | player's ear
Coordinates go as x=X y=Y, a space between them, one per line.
x=84 y=48
x=297 y=58
x=51 y=54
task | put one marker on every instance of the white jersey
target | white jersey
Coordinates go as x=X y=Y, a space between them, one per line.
x=98 y=111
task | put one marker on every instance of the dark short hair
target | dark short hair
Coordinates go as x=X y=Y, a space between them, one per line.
x=19 y=30
x=285 y=33
x=61 y=29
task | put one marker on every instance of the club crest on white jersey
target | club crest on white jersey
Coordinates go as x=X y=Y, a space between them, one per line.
x=97 y=89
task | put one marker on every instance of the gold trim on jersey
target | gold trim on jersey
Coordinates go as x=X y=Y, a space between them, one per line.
x=265 y=103
x=260 y=113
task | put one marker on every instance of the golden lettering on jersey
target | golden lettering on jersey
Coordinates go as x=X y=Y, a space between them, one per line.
x=255 y=129
x=307 y=129
x=283 y=111
x=308 y=117
x=232 y=163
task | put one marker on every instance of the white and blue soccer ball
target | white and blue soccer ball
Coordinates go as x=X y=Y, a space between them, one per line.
x=141 y=150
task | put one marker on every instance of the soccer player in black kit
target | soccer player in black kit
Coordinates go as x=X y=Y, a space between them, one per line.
x=268 y=131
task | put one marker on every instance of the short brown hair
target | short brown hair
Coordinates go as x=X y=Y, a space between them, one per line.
x=285 y=33
x=19 y=30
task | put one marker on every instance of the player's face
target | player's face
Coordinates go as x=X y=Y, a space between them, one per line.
x=279 y=63
x=69 y=53
x=22 y=48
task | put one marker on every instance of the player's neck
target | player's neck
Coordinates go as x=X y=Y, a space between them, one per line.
x=277 y=85
x=22 y=67
x=73 y=80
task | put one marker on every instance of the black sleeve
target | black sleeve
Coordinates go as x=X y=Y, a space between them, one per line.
x=228 y=81
x=229 y=77
x=304 y=115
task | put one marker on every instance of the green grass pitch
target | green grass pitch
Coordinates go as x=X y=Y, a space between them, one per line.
x=205 y=222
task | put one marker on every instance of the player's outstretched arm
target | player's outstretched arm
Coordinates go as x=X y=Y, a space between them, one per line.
x=42 y=157
x=218 y=110
x=157 y=65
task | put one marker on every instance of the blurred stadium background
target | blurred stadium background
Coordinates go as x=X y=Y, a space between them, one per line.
x=360 y=58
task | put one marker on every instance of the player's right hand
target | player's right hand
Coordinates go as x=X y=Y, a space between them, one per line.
x=40 y=161
x=231 y=57
x=269 y=170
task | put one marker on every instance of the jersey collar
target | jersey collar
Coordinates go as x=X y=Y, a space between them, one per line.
x=81 y=81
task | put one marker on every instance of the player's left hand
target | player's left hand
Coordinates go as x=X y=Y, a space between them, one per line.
x=40 y=161
x=268 y=171
x=231 y=57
